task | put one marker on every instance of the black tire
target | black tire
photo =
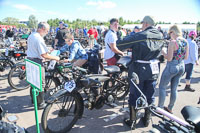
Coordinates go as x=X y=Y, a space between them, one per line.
x=5 y=67
x=17 y=77
x=74 y=110
x=51 y=87
x=120 y=88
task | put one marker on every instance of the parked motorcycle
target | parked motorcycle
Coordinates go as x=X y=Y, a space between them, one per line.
x=67 y=104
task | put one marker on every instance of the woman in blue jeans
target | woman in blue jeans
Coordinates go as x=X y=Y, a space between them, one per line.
x=177 y=52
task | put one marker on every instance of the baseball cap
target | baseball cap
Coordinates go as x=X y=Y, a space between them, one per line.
x=192 y=33
x=61 y=22
x=65 y=25
x=149 y=19
x=136 y=27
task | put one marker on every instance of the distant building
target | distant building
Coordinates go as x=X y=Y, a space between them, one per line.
x=23 y=22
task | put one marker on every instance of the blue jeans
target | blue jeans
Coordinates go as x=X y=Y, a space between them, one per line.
x=188 y=70
x=171 y=74
x=147 y=87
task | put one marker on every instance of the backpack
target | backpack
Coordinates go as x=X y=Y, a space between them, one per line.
x=93 y=63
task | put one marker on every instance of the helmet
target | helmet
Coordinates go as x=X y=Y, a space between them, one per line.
x=192 y=33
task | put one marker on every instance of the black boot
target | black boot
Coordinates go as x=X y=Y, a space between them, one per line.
x=40 y=100
x=146 y=118
x=131 y=122
x=188 y=88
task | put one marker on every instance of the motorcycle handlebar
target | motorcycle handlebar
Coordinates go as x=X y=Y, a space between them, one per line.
x=81 y=69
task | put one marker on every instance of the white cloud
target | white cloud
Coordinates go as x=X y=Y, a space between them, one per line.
x=24 y=7
x=101 y=4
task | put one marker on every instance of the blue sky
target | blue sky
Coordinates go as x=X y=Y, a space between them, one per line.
x=175 y=11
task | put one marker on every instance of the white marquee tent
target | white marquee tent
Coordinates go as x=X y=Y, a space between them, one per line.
x=165 y=27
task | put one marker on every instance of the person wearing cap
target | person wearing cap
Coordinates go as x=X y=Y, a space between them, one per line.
x=192 y=59
x=60 y=26
x=85 y=30
x=135 y=30
x=59 y=40
x=146 y=47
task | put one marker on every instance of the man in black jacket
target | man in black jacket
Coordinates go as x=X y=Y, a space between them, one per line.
x=59 y=40
x=146 y=47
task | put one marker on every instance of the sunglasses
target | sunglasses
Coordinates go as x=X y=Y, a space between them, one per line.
x=170 y=32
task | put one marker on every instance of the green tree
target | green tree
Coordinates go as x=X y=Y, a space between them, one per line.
x=32 y=23
x=137 y=22
x=10 y=21
x=198 y=26
x=186 y=22
x=121 y=21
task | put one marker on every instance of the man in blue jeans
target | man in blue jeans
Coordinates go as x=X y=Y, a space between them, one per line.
x=146 y=47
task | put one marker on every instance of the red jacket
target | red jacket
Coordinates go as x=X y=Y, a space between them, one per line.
x=93 y=32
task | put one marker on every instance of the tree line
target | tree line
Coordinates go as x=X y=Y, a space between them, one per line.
x=78 y=23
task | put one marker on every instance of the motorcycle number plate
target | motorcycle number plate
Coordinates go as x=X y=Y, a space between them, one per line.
x=154 y=66
x=70 y=85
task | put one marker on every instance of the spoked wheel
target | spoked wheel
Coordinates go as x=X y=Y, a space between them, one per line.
x=17 y=77
x=5 y=67
x=122 y=88
x=51 y=87
x=61 y=115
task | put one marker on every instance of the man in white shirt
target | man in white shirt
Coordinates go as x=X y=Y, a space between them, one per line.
x=37 y=52
x=111 y=51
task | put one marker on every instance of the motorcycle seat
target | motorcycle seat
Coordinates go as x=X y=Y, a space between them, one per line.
x=112 y=69
x=124 y=61
x=192 y=115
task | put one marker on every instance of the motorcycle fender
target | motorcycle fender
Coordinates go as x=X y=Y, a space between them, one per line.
x=56 y=95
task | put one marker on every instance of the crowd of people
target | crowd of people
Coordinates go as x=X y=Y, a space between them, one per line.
x=146 y=44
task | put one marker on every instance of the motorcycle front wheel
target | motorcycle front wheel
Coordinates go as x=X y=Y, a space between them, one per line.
x=61 y=115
